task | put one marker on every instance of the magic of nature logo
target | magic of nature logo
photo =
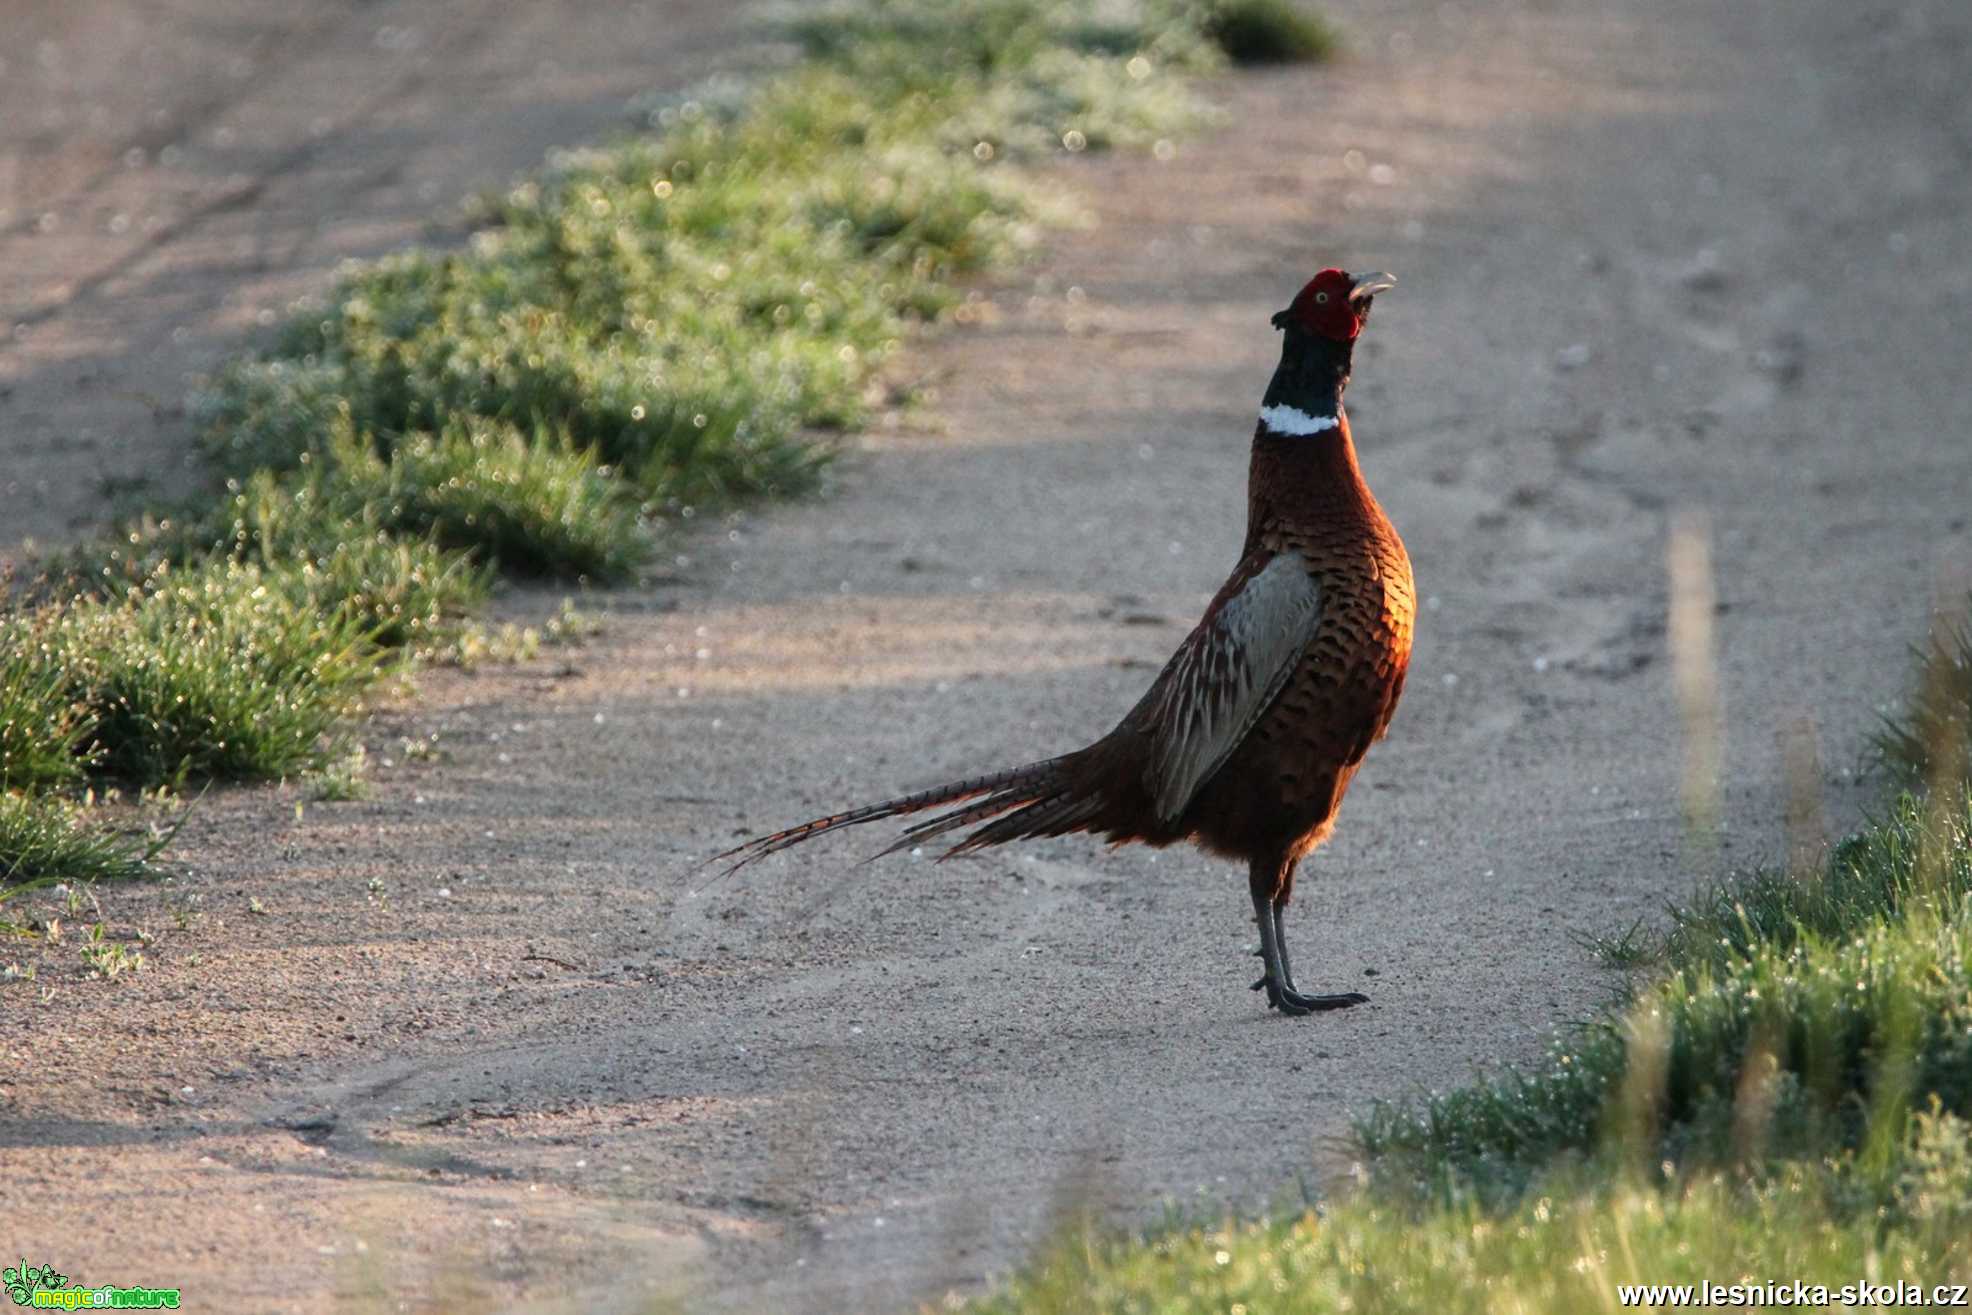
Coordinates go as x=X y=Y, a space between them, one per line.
x=45 y=1288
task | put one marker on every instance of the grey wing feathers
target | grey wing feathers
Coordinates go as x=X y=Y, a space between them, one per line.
x=1229 y=671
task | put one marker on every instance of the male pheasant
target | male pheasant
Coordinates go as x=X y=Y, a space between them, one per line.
x=1250 y=735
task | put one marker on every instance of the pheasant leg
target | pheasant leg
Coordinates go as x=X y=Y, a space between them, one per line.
x=1278 y=980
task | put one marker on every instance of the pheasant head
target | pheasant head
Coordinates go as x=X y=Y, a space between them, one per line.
x=1333 y=304
x=1305 y=396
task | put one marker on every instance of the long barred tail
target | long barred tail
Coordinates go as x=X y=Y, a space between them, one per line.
x=1038 y=783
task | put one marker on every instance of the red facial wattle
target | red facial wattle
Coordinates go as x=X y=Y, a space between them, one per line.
x=1323 y=306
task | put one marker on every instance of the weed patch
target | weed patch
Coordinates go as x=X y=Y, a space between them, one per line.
x=1932 y=740
x=1563 y=1251
x=47 y=840
x=226 y=672
x=42 y=727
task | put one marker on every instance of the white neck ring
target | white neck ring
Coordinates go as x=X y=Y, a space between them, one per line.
x=1292 y=422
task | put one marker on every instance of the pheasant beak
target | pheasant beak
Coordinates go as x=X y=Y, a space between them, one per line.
x=1364 y=286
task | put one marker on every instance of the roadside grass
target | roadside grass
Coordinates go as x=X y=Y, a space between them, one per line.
x=1635 y=946
x=529 y=503
x=227 y=672
x=465 y=503
x=1785 y=1097
x=1814 y=980
x=49 y=840
x=476 y=643
x=674 y=321
x=1932 y=738
x=1564 y=1251
x=42 y=728
x=309 y=539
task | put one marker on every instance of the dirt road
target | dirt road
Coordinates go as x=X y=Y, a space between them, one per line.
x=480 y=1037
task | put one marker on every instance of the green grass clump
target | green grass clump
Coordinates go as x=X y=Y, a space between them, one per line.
x=314 y=543
x=1564 y=1251
x=1932 y=740
x=45 y=840
x=314 y=537
x=1019 y=77
x=41 y=726
x=230 y=672
x=1813 y=981
x=401 y=593
x=267 y=415
x=1910 y=858
x=413 y=531
x=528 y=504
x=1267 y=31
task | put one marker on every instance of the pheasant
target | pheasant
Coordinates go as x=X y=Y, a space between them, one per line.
x=1247 y=740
